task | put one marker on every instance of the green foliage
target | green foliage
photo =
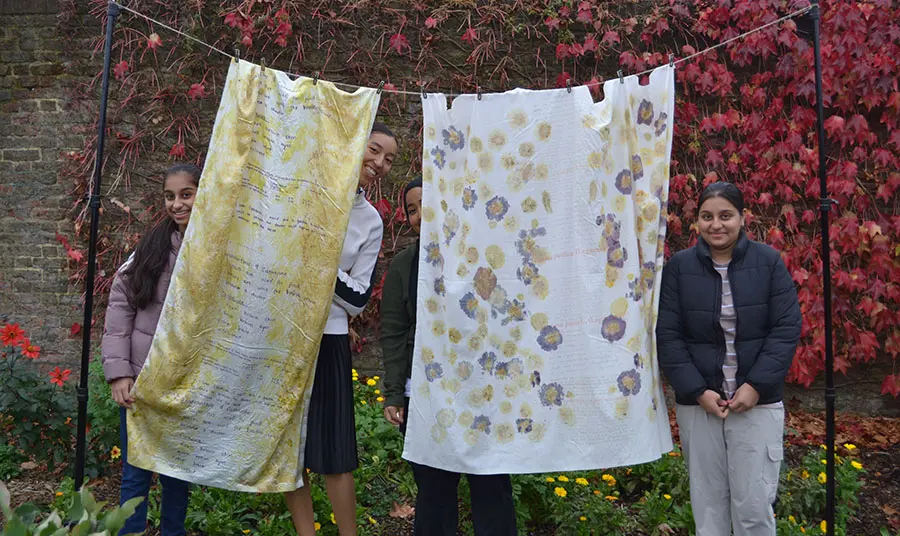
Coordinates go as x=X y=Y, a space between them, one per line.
x=103 y=416
x=10 y=459
x=84 y=516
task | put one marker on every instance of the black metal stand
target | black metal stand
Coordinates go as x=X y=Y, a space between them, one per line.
x=82 y=390
x=824 y=208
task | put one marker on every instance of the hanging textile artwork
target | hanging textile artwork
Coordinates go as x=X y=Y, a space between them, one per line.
x=542 y=243
x=222 y=398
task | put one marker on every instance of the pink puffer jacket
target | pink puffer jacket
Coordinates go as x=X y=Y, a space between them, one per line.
x=128 y=332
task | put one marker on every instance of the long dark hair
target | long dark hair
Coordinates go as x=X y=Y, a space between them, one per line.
x=152 y=252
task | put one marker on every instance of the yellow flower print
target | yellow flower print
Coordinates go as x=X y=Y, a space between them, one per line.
x=427 y=356
x=619 y=307
x=612 y=275
x=482 y=330
x=581 y=481
x=545 y=197
x=446 y=417
x=427 y=174
x=437 y=328
x=505 y=407
x=526 y=150
x=620 y=203
x=511 y=224
x=430 y=132
x=444 y=209
x=518 y=118
x=464 y=370
x=508 y=161
x=515 y=182
x=475 y=343
x=622 y=406
x=515 y=334
x=462 y=270
x=471 y=437
x=538 y=321
x=589 y=121
x=511 y=390
x=560 y=492
x=476 y=145
x=466 y=418
x=497 y=140
x=461 y=248
x=544 y=129
x=454 y=335
x=495 y=257
x=505 y=433
x=471 y=255
x=431 y=305
x=537 y=432
x=595 y=160
x=510 y=348
x=541 y=287
x=525 y=410
x=438 y=433
x=542 y=172
x=495 y=341
x=529 y=204
x=428 y=214
x=485 y=162
x=567 y=415
x=457 y=186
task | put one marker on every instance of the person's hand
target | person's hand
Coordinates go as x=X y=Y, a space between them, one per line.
x=745 y=398
x=121 y=391
x=394 y=415
x=713 y=404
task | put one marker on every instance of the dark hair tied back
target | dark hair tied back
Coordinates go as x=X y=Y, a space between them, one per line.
x=152 y=252
x=415 y=183
x=725 y=190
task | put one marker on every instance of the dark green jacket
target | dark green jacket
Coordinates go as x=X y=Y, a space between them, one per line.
x=398 y=324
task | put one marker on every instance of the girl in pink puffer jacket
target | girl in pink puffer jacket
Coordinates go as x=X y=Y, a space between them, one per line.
x=135 y=303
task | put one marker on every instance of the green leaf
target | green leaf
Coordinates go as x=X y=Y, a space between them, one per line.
x=114 y=520
x=82 y=529
x=15 y=527
x=4 y=500
x=27 y=513
x=76 y=511
x=49 y=525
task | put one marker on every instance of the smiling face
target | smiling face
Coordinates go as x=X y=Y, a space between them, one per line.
x=381 y=150
x=414 y=208
x=180 y=192
x=720 y=225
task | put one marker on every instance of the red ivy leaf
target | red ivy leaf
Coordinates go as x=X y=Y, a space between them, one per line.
x=470 y=36
x=153 y=41
x=562 y=79
x=390 y=87
x=383 y=206
x=552 y=23
x=590 y=44
x=834 y=125
x=594 y=85
x=399 y=43
x=563 y=51
x=120 y=70
x=891 y=385
x=611 y=37
x=232 y=19
x=197 y=91
x=565 y=12
x=431 y=22
x=585 y=13
x=247 y=40
x=75 y=329
x=75 y=255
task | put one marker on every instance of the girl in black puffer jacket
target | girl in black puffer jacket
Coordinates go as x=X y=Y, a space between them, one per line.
x=729 y=322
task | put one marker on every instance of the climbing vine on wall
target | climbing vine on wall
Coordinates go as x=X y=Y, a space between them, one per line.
x=744 y=113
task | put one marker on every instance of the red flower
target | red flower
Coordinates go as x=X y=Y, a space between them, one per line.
x=153 y=41
x=197 y=91
x=59 y=377
x=29 y=350
x=120 y=70
x=12 y=335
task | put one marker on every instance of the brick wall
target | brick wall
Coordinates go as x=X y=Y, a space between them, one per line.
x=37 y=127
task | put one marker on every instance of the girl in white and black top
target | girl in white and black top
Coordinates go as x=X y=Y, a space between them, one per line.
x=331 y=426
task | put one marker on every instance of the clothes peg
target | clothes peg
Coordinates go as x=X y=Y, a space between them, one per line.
x=380 y=87
x=478 y=92
x=237 y=55
x=262 y=63
x=422 y=87
x=671 y=60
x=315 y=77
x=621 y=77
x=569 y=85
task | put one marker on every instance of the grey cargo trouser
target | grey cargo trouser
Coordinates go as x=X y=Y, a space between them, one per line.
x=733 y=465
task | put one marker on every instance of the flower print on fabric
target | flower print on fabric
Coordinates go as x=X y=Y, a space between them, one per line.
x=550 y=338
x=469 y=304
x=433 y=371
x=645 y=113
x=509 y=369
x=624 y=181
x=551 y=394
x=440 y=157
x=433 y=254
x=450 y=226
x=496 y=208
x=612 y=328
x=485 y=282
x=660 y=124
x=524 y=426
x=515 y=312
x=482 y=424
x=439 y=287
x=453 y=138
x=629 y=382
x=527 y=272
x=469 y=198
x=637 y=167
x=487 y=362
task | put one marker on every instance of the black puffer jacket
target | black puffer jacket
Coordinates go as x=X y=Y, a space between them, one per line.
x=690 y=340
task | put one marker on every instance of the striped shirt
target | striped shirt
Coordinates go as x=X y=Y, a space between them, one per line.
x=728 y=321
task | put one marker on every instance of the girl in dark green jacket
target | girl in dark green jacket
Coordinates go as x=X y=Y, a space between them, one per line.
x=493 y=510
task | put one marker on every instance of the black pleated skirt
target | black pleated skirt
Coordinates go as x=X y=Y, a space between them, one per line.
x=331 y=424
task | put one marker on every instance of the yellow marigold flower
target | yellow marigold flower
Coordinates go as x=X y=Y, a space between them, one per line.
x=803 y=530
x=596 y=492
x=667 y=497
x=607 y=478
x=246 y=531
x=823 y=478
x=333 y=522
x=674 y=454
x=561 y=492
x=823 y=526
x=582 y=518
x=376 y=377
x=824 y=462
x=379 y=399
x=317 y=526
x=581 y=481
x=353 y=371
x=551 y=479
x=792 y=519
x=115 y=453
x=59 y=494
x=372 y=520
x=849 y=446
x=370 y=382
x=610 y=498
x=856 y=464
x=563 y=478
x=804 y=474
x=377 y=391
x=363 y=402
